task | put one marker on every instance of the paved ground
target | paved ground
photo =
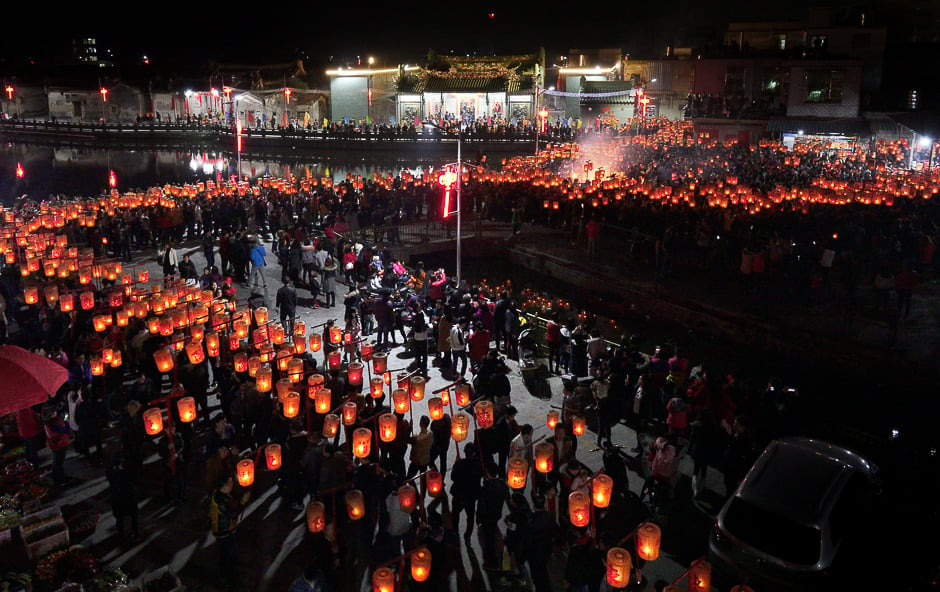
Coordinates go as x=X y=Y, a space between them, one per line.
x=274 y=544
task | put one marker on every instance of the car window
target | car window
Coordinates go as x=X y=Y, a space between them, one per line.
x=772 y=534
x=856 y=501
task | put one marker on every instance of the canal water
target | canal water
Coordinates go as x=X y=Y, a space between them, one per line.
x=73 y=171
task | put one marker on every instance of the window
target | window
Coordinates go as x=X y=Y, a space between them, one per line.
x=772 y=533
x=780 y=41
x=824 y=86
x=818 y=42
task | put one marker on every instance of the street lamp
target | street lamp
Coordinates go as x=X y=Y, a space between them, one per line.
x=448 y=180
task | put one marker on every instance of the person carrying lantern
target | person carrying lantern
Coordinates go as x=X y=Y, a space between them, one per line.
x=224 y=514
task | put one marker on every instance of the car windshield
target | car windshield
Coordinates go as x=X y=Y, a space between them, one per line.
x=772 y=534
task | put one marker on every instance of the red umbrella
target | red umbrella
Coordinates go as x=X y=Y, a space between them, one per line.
x=27 y=378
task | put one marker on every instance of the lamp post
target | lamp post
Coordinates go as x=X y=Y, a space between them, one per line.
x=447 y=180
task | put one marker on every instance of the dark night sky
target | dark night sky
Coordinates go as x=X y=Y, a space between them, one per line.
x=398 y=31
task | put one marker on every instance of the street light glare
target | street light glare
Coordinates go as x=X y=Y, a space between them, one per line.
x=925 y=141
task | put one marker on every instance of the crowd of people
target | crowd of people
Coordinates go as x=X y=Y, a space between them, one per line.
x=460 y=331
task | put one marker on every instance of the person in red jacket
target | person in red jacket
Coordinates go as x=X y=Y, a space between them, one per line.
x=479 y=344
x=27 y=422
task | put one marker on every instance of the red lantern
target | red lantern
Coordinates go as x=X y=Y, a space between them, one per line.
x=365 y=351
x=460 y=427
x=316 y=342
x=67 y=302
x=355 y=504
x=362 y=442
x=87 y=300
x=484 y=414
x=416 y=388
x=263 y=379
x=277 y=334
x=245 y=472
x=300 y=344
x=552 y=418
x=354 y=373
x=153 y=421
x=100 y=322
x=619 y=565
x=379 y=362
x=579 y=508
x=316 y=516
x=322 y=400
x=462 y=394
x=434 y=483
x=212 y=344
x=334 y=360
x=261 y=315
x=517 y=472
x=336 y=335
x=544 y=457
x=407 y=497
x=116 y=359
x=435 y=408
x=420 y=565
x=602 y=488
x=400 y=400
x=376 y=388
x=291 y=404
x=577 y=425
x=383 y=580
x=295 y=370
x=97 y=366
x=241 y=362
x=163 y=357
x=388 y=427
x=648 y=537
x=195 y=352
x=272 y=455
x=349 y=413
x=330 y=425
x=187 y=409
x=700 y=576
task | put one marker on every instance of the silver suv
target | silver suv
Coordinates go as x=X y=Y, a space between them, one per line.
x=794 y=521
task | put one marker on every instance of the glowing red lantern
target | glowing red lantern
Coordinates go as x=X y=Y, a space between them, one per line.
x=164 y=359
x=330 y=425
x=517 y=472
x=544 y=457
x=362 y=442
x=376 y=388
x=648 y=537
x=407 y=498
x=416 y=388
x=187 y=409
x=153 y=421
x=322 y=400
x=272 y=456
x=462 y=394
x=619 y=565
x=434 y=483
x=388 y=427
x=334 y=360
x=435 y=408
x=400 y=401
x=263 y=379
x=354 y=373
x=241 y=362
x=316 y=342
x=420 y=565
x=245 y=472
x=355 y=504
x=579 y=508
x=291 y=404
x=460 y=427
x=602 y=488
x=349 y=413
x=484 y=414
x=316 y=516
x=379 y=362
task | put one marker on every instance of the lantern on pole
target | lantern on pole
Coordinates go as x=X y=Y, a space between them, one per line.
x=619 y=565
x=336 y=335
x=322 y=400
x=291 y=404
x=700 y=576
x=153 y=421
x=416 y=388
x=295 y=370
x=383 y=580
x=517 y=472
x=362 y=442
x=254 y=364
x=377 y=387
x=435 y=408
x=579 y=508
x=462 y=394
x=379 y=362
x=316 y=342
x=334 y=360
x=578 y=425
x=300 y=344
x=195 y=352
x=241 y=362
x=116 y=359
x=349 y=413
x=67 y=302
x=272 y=456
x=484 y=414
x=261 y=315
x=31 y=294
x=355 y=504
x=212 y=344
x=365 y=351
x=354 y=373
x=460 y=427
x=330 y=425
x=263 y=379
x=420 y=565
x=187 y=409
x=388 y=427
x=648 y=537
x=245 y=472
x=602 y=488
x=316 y=516
x=97 y=366
x=401 y=402
x=544 y=457
x=407 y=498
x=434 y=483
x=552 y=418
x=87 y=300
x=163 y=357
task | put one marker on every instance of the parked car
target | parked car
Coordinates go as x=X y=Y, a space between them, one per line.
x=800 y=520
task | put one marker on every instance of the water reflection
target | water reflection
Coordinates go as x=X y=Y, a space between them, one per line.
x=76 y=171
